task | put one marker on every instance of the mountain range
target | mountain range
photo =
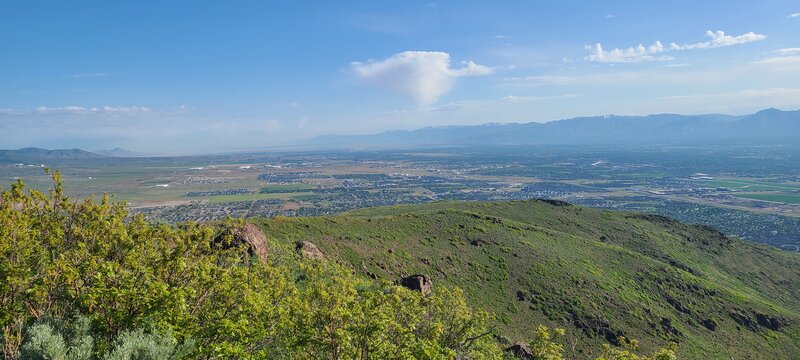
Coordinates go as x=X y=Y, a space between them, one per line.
x=39 y=154
x=120 y=152
x=765 y=126
x=770 y=125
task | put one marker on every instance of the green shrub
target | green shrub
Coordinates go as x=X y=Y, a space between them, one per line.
x=138 y=345
x=54 y=339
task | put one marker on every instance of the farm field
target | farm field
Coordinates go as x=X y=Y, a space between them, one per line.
x=778 y=198
x=750 y=185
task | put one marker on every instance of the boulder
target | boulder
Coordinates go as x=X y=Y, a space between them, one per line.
x=710 y=324
x=419 y=283
x=477 y=242
x=555 y=202
x=308 y=250
x=249 y=234
x=769 y=322
x=520 y=351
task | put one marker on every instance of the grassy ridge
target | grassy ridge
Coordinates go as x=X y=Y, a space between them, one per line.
x=601 y=274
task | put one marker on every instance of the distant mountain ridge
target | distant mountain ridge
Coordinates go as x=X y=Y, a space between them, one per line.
x=37 y=154
x=120 y=152
x=765 y=125
x=769 y=125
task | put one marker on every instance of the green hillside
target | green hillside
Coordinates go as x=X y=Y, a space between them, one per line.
x=599 y=274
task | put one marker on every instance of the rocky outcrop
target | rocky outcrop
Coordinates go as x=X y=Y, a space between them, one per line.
x=744 y=320
x=592 y=326
x=308 y=250
x=668 y=328
x=247 y=234
x=555 y=202
x=477 y=242
x=653 y=218
x=710 y=324
x=419 y=283
x=770 y=322
x=760 y=321
x=520 y=351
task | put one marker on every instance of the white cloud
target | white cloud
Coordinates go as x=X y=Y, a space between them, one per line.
x=719 y=39
x=633 y=54
x=423 y=76
x=789 y=63
x=471 y=69
x=9 y=111
x=788 y=51
x=788 y=59
x=497 y=103
x=544 y=79
x=121 y=109
x=45 y=109
x=641 y=53
x=795 y=15
x=529 y=98
x=83 y=110
x=779 y=60
x=775 y=95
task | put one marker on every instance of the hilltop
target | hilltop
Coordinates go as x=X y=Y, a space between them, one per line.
x=39 y=154
x=120 y=152
x=601 y=274
x=769 y=125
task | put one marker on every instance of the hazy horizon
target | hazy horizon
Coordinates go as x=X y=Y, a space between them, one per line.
x=308 y=143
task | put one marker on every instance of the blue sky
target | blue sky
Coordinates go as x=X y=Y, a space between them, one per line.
x=197 y=76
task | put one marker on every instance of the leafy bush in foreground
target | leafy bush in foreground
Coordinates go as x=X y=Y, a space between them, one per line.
x=61 y=259
x=55 y=339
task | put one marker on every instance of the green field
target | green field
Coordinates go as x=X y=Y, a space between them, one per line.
x=283 y=188
x=781 y=198
x=749 y=185
x=646 y=175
